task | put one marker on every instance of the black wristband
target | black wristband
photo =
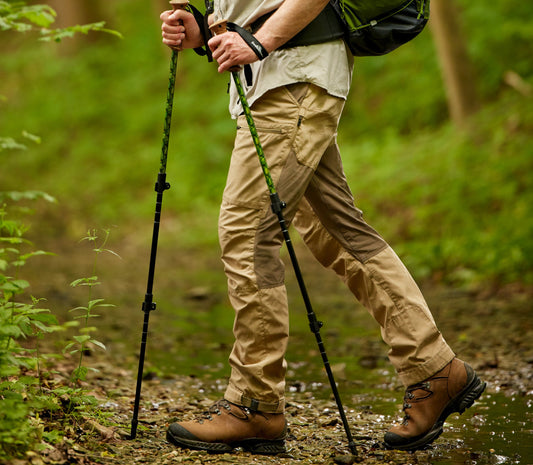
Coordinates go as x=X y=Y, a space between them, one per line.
x=250 y=40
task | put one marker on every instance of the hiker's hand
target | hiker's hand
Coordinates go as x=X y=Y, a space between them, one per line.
x=229 y=50
x=180 y=30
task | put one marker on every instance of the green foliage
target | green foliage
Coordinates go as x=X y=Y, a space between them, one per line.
x=404 y=90
x=19 y=17
x=27 y=390
x=499 y=38
x=8 y=143
x=455 y=204
x=21 y=390
x=85 y=313
x=59 y=34
x=465 y=197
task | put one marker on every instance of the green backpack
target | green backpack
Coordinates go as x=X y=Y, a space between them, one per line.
x=369 y=27
x=376 y=27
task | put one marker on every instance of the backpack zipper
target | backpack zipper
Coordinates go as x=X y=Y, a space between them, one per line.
x=392 y=13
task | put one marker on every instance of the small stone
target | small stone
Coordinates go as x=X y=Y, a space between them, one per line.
x=345 y=459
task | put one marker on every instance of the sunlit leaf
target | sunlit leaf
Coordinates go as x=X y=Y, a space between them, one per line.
x=98 y=343
x=82 y=339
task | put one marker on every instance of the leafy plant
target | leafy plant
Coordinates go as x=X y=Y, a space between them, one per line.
x=21 y=375
x=36 y=406
x=86 y=313
x=17 y=320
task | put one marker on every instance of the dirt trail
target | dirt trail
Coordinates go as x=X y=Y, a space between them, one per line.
x=493 y=330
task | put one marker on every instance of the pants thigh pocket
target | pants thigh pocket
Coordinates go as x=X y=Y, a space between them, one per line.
x=246 y=183
x=317 y=126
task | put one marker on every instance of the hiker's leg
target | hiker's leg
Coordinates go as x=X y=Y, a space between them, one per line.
x=335 y=232
x=295 y=126
x=437 y=383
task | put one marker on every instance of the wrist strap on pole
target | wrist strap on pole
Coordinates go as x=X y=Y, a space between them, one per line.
x=250 y=40
x=201 y=20
x=254 y=44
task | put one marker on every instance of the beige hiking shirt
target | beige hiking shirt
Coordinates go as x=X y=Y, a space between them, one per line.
x=327 y=65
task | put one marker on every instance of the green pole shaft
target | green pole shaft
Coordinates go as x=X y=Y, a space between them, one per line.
x=168 y=111
x=253 y=131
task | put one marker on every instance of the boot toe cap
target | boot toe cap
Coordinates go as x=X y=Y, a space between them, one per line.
x=396 y=441
x=393 y=440
x=178 y=431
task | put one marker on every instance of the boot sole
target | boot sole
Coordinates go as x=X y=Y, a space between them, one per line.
x=253 y=445
x=465 y=399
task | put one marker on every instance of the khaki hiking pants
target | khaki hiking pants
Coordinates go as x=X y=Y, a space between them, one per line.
x=297 y=127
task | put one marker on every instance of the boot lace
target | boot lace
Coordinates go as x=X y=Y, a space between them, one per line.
x=411 y=397
x=217 y=409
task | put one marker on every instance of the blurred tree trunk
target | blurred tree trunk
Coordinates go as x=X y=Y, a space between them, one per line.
x=72 y=12
x=162 y=5
x=457 y=69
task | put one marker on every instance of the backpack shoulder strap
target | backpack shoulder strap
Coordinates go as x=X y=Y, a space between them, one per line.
x=326 y=27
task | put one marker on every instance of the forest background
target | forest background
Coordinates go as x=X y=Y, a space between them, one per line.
x=459 y=206
x=435 y=138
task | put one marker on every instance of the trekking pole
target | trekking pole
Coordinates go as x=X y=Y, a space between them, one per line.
x=277 y=206
x=161 y=185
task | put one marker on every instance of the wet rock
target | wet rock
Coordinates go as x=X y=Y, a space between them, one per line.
x=330 y=422
x=345 y=459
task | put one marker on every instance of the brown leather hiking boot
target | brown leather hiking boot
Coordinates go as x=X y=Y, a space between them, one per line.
x=226 y=426
x=429 y=403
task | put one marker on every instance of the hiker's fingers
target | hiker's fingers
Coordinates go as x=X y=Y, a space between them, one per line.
x=175 y=16
x=180 y=30
x=172 y=31
x=165 y=15
x=230 y=50
x=173 y=36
